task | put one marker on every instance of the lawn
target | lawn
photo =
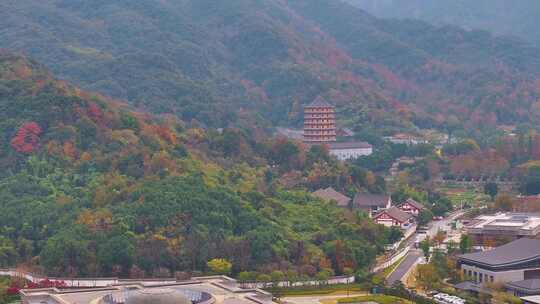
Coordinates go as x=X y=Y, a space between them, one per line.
x=460 y=195
x=338 y=289
x=381 y=299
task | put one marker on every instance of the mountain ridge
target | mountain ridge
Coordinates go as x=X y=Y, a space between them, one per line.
x=260 y=61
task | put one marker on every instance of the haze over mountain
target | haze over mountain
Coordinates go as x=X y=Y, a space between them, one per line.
x=255 y=63
x=503 y=17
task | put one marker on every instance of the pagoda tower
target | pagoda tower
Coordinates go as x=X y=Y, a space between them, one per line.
x=319 y=122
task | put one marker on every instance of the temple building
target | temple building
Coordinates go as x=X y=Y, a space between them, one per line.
x=319 y=122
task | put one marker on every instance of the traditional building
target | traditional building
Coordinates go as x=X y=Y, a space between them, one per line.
x=411 y=206
x=329 y=194
x=350 y=150
x=394 y=217
x=372 y=203
x=319 y=122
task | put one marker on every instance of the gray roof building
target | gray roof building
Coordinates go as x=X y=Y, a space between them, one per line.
x=350 y=145
x=413 y=203
x=367 y=200
x=519 y=254
x=330 y=194
x=524 y=288
x=396 y=214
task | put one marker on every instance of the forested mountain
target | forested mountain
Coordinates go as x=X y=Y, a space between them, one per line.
x=504 y=17
x=90 y=187
x=256 y=62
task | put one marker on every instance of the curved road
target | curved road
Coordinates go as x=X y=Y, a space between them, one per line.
x=413 y=256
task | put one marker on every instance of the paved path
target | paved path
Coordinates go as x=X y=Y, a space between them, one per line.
x=317 y=299
x=403 y=268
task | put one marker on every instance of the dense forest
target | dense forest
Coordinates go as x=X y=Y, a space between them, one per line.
x=503 y=17
x=255 y=63
x=90 y=187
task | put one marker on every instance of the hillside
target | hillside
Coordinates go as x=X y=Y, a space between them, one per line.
x=255 y=63
x=503 y=17
x=90 y=187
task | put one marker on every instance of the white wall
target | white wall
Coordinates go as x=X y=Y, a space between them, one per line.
x=498 y=276
x=344 y=154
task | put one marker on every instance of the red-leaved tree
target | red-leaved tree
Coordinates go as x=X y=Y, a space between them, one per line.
x=27 y=138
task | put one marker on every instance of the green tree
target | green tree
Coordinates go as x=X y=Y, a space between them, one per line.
x=8 y=253
x=465 y=244
x=117 y=250
x=504 y=202
x=219 y=266
x=264 y=278
x=530 y=184
x=66 y=252
x=427 y=276
x=277 y=277
x=491 y=189
x=425 y=246
x=424 y=217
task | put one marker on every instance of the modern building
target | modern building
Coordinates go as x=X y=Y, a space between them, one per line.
x=524 y=288
x=350 y=150
x=329 y=194
x=204 y=290
x=394 y=217
x=372 y=203
x=516 y=261
x=504 y=225
x=319 y=122
x=411 y=206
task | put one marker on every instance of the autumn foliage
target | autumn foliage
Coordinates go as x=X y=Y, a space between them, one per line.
x=26 y=139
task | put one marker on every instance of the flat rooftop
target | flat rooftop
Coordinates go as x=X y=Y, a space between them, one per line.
x=223 y=290
x=520 y=223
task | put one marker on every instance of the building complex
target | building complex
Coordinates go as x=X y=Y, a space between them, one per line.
x=203 y=290
x=320 y=128
x=516 y=261
x=507 y=225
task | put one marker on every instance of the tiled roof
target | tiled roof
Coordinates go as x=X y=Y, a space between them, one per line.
x=331 y=194
x=397 y=214
x=319 y=102
x=350 y=145
x=368 y=200
x=518 y=251
x=413 y=203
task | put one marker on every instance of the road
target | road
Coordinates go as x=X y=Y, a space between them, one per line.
x=444 y=224
x=410 y=260
x=412 y=257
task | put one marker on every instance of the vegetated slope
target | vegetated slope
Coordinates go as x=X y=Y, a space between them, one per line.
x=89 y=187
x=478 y=78
x=504 y=17
x=208 y=60
x=256 y=63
